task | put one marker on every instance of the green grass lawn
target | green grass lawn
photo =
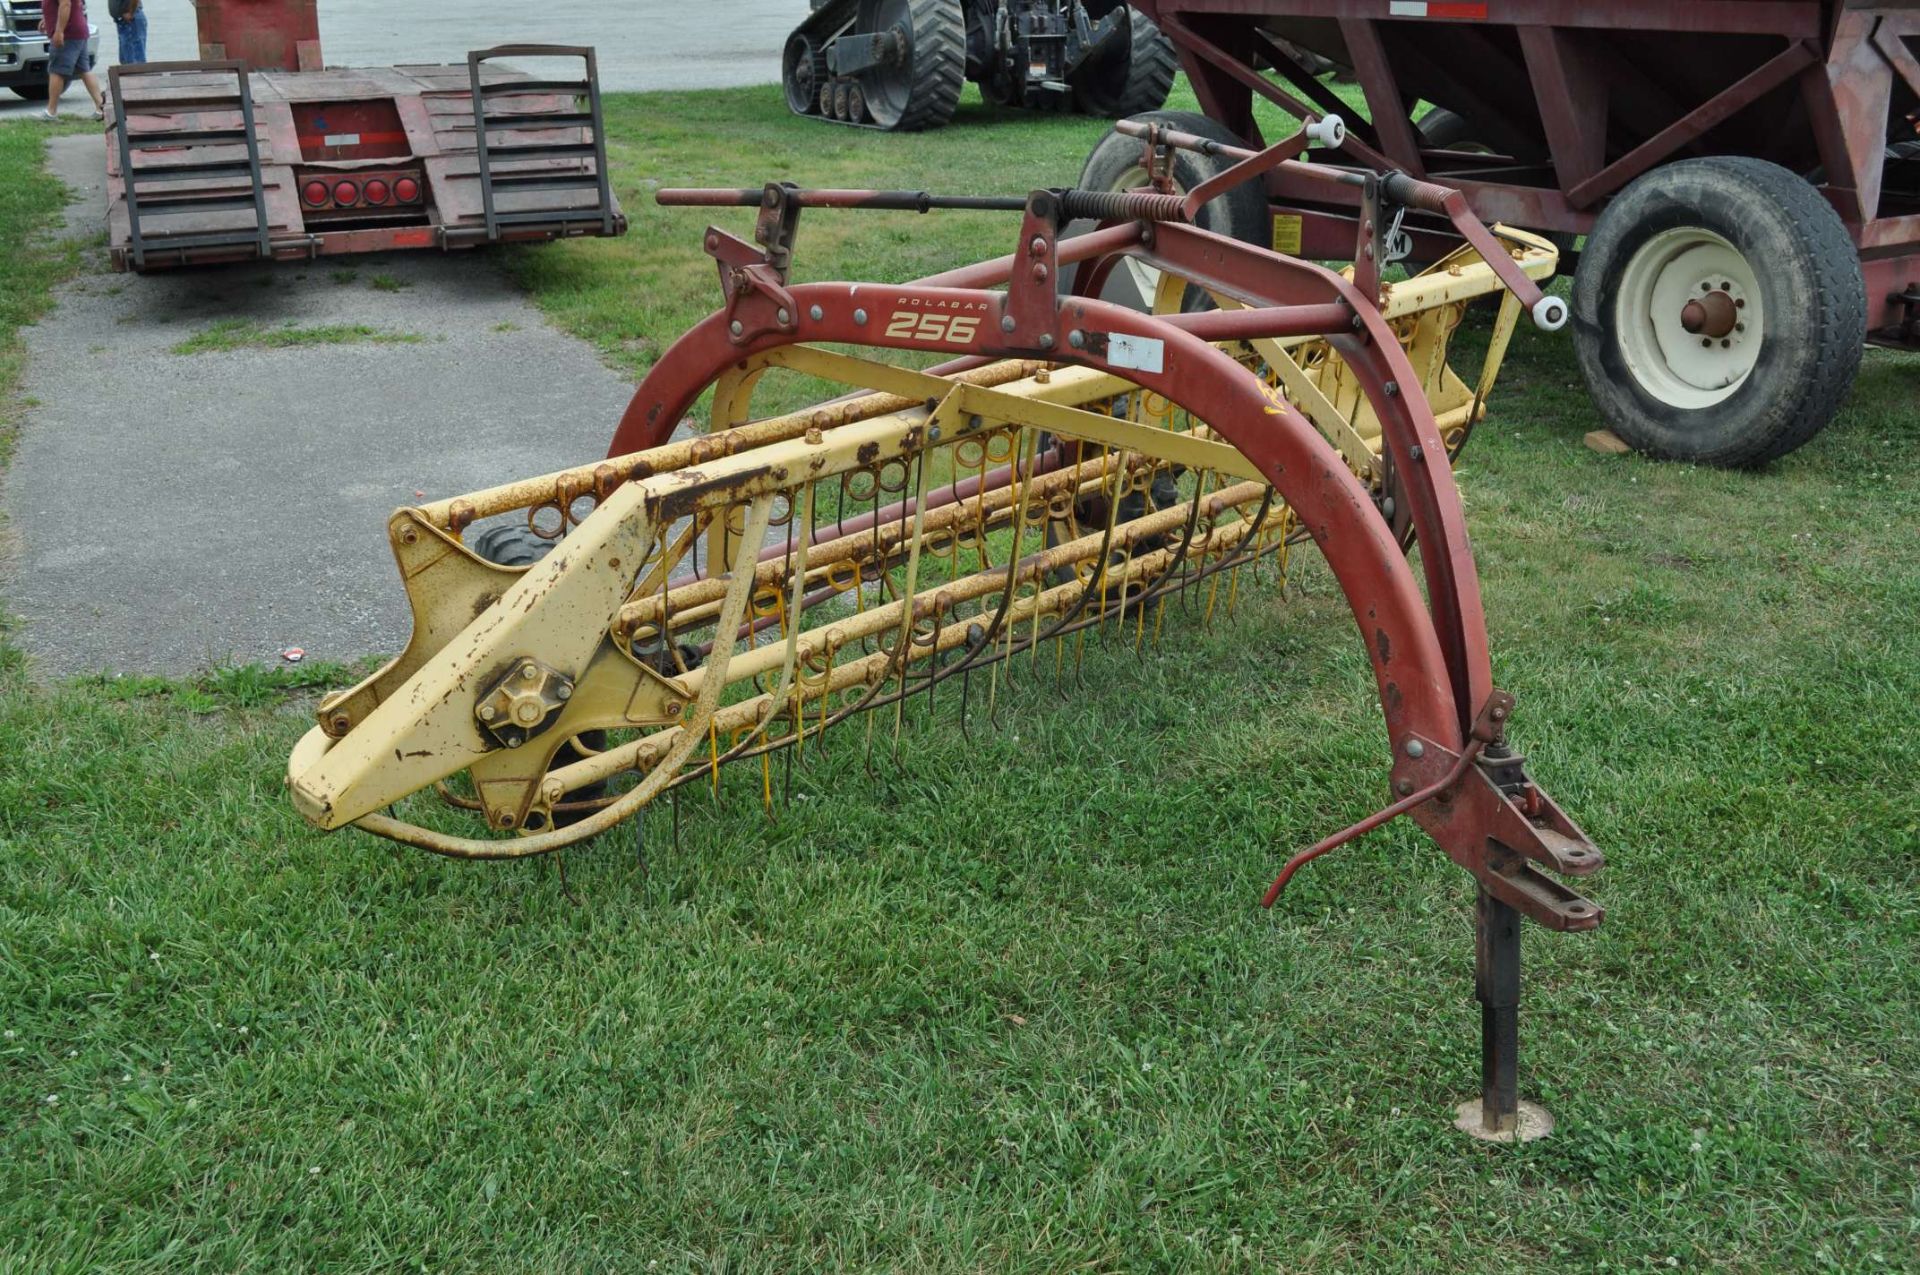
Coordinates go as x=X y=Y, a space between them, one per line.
x=1012 y=1005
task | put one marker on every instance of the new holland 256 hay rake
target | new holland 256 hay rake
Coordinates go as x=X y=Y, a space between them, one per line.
x=722 y=596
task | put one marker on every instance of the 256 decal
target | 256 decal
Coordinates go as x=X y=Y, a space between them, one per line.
x=916 y=325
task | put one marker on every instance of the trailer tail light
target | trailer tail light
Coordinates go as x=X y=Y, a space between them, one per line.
x=376 y=191
x=314 y=192
x=407 y=190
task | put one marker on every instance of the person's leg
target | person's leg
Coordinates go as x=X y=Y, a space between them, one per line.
x=124 y=29
x=140 y=36
x=91 y=83
x=56 y=85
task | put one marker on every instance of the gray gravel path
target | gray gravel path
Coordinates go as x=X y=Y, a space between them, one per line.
x=168 y=512
x=642 y=44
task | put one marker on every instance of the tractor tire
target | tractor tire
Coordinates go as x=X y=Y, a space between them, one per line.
x=1240 y=213
x=1719 y=312
x=924 y=91
x=1137 y=77
x=32 y=92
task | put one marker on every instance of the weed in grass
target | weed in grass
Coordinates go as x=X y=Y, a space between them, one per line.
x=242 y=334
x=387 y=283
x=344 y=277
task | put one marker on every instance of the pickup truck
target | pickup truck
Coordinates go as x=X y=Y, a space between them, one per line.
x=24 y=48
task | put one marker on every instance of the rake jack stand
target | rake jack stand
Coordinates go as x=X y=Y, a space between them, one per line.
x=1499 y=1115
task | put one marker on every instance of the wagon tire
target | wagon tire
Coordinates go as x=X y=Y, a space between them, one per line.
x=1719 y=312
x=1135 y=77
x=1240 y=213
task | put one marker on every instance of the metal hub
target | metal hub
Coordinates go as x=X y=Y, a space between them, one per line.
x=1689 y=317
x=522 y=702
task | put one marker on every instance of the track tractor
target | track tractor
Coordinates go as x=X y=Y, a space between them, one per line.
x=900 y=64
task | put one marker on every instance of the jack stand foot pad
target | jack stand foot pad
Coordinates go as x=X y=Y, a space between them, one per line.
x=1532 y=1122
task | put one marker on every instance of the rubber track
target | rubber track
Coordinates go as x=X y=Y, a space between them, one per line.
x=939 y=64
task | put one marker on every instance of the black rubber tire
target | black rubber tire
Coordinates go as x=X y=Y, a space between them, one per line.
x=1240 y=213
x=1443 y=130
x=1812 y=295
x=32 y=92
x=925 y=93
x=1136 y=78
x=510 y=542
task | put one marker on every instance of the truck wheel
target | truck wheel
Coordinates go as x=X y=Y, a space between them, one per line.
x=32 y=92
x=1134 y=76
x=1719 y=312
x=1240 y=213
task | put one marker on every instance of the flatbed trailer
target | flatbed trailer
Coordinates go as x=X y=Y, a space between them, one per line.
x=1681 y=138
x=260 y=151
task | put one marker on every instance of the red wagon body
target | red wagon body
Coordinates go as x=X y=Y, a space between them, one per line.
x=1558 y=108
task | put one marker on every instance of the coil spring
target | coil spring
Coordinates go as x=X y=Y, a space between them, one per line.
x=1119 y=205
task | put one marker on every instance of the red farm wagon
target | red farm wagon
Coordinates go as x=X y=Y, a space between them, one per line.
x=1745 y=173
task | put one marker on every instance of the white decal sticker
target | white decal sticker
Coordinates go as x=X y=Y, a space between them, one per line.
x=342 y=139
x=1141 y=353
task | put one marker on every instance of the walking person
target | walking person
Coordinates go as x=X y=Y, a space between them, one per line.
x=130 y=21
x=65 y=22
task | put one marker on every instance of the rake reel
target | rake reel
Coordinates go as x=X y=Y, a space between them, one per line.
x=785 y=578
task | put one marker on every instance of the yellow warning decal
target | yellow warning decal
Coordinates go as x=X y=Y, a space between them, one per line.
x=1286 y=233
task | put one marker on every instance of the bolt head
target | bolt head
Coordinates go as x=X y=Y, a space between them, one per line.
x=1006 y=323
x=782 y=315
x=1039 y=272
x=531 y=672
x=563 y=691
x=1046 y=341
x=816 y=314
x=736 y=327
x=488 y=712
x=1077 y=339
x=1404 y=787
x=859 y=316
x=1416 y=749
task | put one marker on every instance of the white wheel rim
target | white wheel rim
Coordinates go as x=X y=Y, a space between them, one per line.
x=1681 y=365
x=1133 y=274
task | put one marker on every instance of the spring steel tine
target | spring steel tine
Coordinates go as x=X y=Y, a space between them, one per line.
x=639 y=839
x=566 y=887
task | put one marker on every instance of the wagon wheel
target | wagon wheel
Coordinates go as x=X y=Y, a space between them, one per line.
x=922 y=65
x=1133 y=75
x=1719 y=312
x=1117 y=163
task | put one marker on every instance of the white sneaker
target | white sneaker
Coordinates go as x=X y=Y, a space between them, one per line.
x=47 y=117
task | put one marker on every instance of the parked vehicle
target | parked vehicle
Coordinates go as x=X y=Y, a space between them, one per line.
x=24 y=49
x=1747 y=177
x=900 y=64
x=263 y=151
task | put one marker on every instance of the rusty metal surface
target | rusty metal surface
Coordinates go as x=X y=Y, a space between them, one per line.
x=406 y=123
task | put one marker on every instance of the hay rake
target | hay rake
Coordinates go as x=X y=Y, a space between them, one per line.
x=1071 y=468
